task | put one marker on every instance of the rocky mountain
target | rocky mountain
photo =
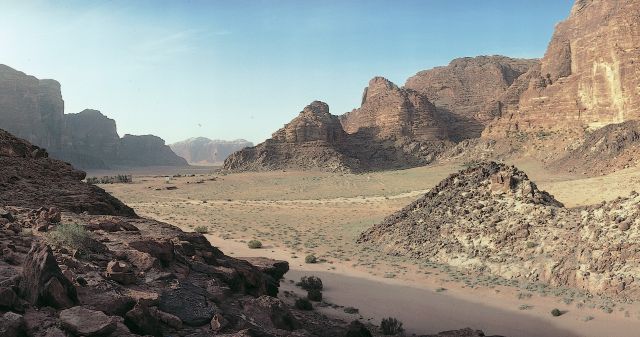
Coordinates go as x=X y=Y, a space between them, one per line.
x=203 y=150
x=588 y=77
x=390 y=112
x=315 y=139
x=492 y=218
x=468 y=89
x=31 y=179
x=34 y=110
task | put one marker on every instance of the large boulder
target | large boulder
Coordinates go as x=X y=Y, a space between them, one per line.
x=189 y=303
x=43 y=283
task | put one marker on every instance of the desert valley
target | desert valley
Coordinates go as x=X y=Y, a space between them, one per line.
x=493 y=196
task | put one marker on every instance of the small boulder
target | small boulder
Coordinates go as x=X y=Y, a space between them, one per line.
x=120 y=272
x=43 y=283
x=269 y=313
x=86 y=322
x=160 y=249
x=189 y=303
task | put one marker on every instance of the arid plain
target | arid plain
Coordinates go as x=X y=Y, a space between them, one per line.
x=297 y=213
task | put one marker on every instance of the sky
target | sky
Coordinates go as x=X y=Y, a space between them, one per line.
x=242 y=69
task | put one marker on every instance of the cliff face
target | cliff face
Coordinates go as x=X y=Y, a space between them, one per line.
x=34 y=110
x=31 y=109
x=390 y=112
x=468 y=89
x=203 y=150
x=589 y=76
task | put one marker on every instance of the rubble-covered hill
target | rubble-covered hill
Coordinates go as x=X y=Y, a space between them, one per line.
x=491 y=217
x=611 y=148
x=29 y=178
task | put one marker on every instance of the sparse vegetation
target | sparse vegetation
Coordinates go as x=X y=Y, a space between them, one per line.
x=118 y=179
x=391 y=326
x=254 y=244
x=201 y=229
x=69 y=235
x=351 y=310
x=314 y=295
x=311 y=259
x=303 y=304
x=310 y=283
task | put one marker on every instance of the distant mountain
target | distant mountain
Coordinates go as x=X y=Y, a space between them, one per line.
x=201 y=150
x=33 y=109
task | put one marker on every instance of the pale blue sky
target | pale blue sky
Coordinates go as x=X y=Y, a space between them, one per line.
x=241 y=69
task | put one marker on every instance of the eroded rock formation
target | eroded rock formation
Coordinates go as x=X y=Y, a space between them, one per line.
x=203 y=150
x=491 y=217
x=34 y=110
x=588 y=77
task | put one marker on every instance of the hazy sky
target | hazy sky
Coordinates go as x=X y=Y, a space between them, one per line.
x=241 y=69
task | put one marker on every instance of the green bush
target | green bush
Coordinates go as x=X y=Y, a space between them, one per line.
x=391 y=326
x=311 y=259
x=556 y=312
x=310 y=283
x=314 y=295
x=69 y=235
x=201 y=229
x=303 y=304
x=254 y=244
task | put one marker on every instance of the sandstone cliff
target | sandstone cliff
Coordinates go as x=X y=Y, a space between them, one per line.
x=34 y=110
x=390 y=112
x=492 y=218
x=203 y=150
x=468 y=89
x=588 y=77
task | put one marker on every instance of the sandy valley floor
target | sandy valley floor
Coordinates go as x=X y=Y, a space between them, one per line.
x=299 y=213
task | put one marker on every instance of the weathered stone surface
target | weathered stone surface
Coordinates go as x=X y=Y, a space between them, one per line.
x=588 y=77
x=86 y=322
x=30 y=179
x=42 y=281
x=189 y=303
x=468 y=88
x=273 y=268
x=120 y=272
x=491 y=217
x=269 y=312
x=203 y=150
x=12 y=325
x=390 y=112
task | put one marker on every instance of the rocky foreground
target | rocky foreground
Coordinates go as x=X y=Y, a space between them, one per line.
x=492 y=218
x=74 y=261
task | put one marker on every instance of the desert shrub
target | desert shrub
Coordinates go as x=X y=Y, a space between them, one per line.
x=69 y=235
x=201 y=229
x=391 y=326
x=531 y=244
x=311 y=259
x=303 y=304
x=351 y=310
x=254 y=244
x=314 y=295
x=556 y=312
x=310 y=283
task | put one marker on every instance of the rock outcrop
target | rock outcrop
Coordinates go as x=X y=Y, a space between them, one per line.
x=203 y=150
x=468 y=90
x=588 y=77
x=492 y=218
x=33 y=109
x=390 y=112
x=31 y=179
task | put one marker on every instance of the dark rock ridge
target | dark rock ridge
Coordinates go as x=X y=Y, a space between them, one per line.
x=468 y=89
x=492 y=218
x=203 y=150
x=394 y=128
x=31 y=179
x=33 y=109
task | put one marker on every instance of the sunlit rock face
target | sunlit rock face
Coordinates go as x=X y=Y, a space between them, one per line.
x=470 y=90
x=390 y=112
x=589 y=76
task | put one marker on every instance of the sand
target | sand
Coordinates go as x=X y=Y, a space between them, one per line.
x=298 y=213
